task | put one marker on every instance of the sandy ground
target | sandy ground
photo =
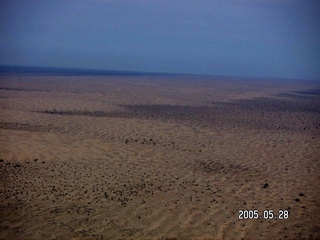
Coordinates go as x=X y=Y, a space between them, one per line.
x=150 y=157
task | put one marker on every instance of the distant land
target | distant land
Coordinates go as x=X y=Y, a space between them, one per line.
x=11 y=69
x=58 y=71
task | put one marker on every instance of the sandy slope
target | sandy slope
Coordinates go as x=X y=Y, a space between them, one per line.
x=157 y=158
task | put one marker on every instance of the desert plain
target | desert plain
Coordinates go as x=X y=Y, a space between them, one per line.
x=158 y=157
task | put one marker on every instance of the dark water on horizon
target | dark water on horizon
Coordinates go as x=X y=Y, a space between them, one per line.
x=51 y=71
x=18 y=70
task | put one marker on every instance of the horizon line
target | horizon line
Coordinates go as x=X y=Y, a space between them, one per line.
x=6 y=69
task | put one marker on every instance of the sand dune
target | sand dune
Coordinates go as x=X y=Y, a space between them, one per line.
x=158 y=157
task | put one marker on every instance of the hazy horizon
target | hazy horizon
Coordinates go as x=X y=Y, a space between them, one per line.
x=63 y=71
x=249 y=38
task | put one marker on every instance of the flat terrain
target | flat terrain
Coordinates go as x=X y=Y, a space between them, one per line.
x=158 y=157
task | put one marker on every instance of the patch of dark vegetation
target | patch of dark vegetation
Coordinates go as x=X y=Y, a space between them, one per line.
x=28 y=127
x=295 y=96
x=168 y=238
x=212 y=166
x=261 y=113
x=174 y=112
x=272 y=104
x=282 y=112
x=311 y=95
x=17 y=166
x=23 y=90
x=309 y=92
x=85 y=113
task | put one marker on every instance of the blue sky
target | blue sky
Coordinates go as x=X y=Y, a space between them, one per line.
x=258 y=38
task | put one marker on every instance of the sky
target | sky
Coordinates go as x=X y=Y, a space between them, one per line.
x=255 y=38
